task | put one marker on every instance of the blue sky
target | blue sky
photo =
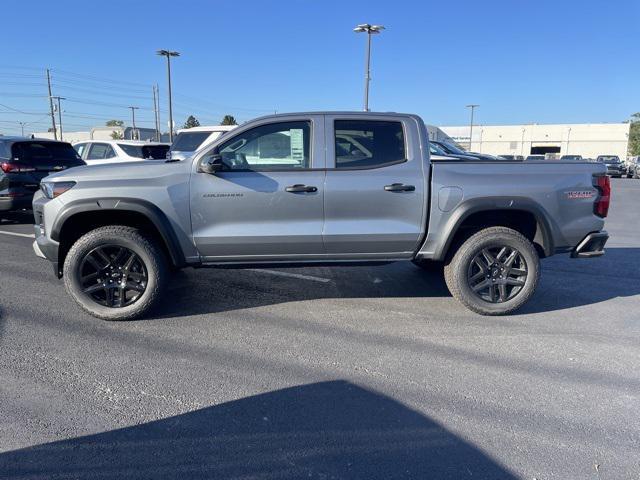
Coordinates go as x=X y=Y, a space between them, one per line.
x=522 y=61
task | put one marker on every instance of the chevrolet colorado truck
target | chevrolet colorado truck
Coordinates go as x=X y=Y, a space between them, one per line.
x=328 y=188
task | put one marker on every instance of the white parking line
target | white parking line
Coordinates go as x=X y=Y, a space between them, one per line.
x=15 y=234
x=292 y=275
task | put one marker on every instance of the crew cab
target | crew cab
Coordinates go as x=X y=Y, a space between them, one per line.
x=328 y=188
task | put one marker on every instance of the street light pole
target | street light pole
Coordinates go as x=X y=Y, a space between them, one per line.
x=59 y=112
x=472 y=107
x=22 y=124
x=369 y=30
x=133 y=122
x=169 y=54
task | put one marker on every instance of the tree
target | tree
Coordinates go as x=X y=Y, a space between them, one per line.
x=115 y=123
x=634 y=135
x=117 y=135
x=191 y=122
x=228 y=120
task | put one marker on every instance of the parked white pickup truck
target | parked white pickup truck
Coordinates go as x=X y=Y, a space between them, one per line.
x=317 y=188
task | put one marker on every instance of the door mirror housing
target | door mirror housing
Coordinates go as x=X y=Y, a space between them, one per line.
x=211 y=164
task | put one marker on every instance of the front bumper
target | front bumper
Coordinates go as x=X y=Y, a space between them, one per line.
x=46 y=248
x=591 y=246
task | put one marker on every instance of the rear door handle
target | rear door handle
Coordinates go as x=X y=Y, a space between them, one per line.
x=300 y=188
x=399 y=187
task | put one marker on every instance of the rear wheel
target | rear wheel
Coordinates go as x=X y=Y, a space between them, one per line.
x=494 y=272
x=115 y=273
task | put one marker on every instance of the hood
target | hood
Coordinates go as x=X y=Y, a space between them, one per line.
x=119 y=171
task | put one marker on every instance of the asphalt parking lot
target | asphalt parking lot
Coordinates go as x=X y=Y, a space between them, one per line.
x=368 y=372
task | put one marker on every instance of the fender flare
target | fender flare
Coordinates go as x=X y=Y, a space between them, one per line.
x=143 y=207
x=503 y=204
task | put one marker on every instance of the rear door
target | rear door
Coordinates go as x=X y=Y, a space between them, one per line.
x=375 y=186
x=266 y=204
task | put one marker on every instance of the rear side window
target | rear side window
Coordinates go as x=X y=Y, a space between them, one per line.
x=4 y=150
x=100 y=151
x=189 y=141
x=368 y=143
x=46 y=154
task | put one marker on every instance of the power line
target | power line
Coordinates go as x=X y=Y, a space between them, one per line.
x=98 y=79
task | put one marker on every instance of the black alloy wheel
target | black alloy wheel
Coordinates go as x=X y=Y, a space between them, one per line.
x=497 y=274
x=113 y=276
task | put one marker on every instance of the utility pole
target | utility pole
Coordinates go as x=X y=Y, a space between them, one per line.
x=155 y=114
x=370 y=30
x=169 y=54
x=133 y=122
x=472 y=107
x=53 y=116
x=59 y=112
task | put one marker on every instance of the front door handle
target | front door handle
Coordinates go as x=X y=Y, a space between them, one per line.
x=300 y=188
x=399 y=187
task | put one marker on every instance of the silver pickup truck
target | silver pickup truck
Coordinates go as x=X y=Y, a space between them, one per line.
x=329 y=188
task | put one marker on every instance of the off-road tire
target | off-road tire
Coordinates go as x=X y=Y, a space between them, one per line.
x=134 y=240
x=456 y=270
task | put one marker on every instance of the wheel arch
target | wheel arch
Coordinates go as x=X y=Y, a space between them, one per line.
x=80 y=217
x=521 y=214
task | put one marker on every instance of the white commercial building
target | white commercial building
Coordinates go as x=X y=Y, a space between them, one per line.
x=586 y=139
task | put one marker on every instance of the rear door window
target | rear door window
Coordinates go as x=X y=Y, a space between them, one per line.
x=100 y=151
x=47 y=155
x=368 y=143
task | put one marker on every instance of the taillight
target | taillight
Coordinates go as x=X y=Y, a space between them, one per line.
x=15 y=168
x=601 y=207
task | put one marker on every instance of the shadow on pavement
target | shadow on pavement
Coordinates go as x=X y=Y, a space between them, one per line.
x=566 y=283
x=324 y=430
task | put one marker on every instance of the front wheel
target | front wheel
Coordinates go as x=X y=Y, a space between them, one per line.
x=494 y=272
x=115 y=272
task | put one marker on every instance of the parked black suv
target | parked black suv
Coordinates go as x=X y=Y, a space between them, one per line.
x=26 y=161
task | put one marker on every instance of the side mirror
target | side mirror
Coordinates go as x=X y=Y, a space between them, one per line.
x=211 y=164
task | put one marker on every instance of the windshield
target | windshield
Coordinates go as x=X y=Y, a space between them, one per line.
x=153 y=152
x=611 y=159
x=189 y=141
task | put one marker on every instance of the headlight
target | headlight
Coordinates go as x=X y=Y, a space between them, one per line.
x=55 y=189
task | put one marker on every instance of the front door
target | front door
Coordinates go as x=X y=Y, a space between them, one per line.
x=375 y=187
x=266 y=204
